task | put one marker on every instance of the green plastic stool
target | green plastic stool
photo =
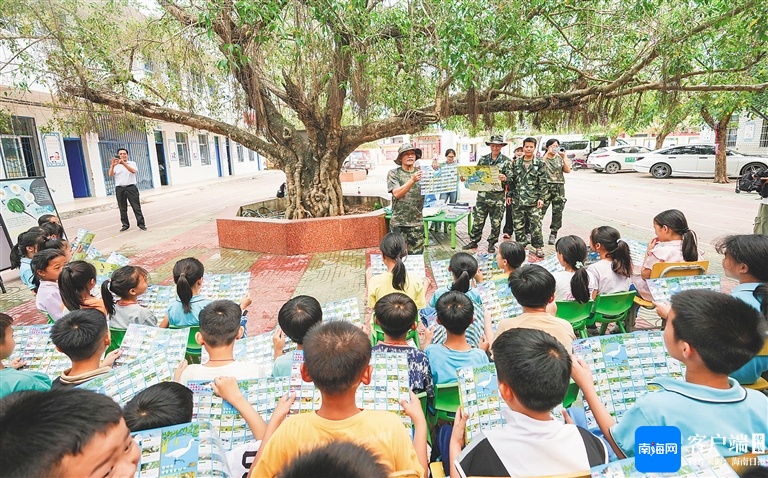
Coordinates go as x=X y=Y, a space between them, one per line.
x=576 y=313
x=611 y=308
x=116 y=335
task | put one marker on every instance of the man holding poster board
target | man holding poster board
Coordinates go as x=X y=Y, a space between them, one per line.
x=491 y=200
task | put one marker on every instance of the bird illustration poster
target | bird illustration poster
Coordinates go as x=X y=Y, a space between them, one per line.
x=623 y=366
x=480 y=178
x=188 y=450
x=480 y=398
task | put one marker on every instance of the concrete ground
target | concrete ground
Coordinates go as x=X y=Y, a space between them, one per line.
x=181 y=224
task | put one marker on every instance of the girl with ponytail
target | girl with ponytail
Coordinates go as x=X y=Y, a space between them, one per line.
x=608 y=275
x=572 y=255
x=184 y=310
x=22 y=253
x=76 y=281
x=463 y=267
x=127 y=284
x=674 y=242
x=397 y=278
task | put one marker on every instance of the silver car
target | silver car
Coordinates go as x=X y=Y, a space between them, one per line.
x=696 y=160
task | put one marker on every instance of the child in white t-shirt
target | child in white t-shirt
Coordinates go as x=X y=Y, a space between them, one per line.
x=572 y=255
x=611 y=273
x=219 y=327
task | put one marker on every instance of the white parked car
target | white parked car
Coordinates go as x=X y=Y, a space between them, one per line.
x=697 y=160
x=613 y=159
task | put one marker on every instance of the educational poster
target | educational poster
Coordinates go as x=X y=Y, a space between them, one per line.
x=34 y=346
x=263 y=394
x=443 y=180
x=480 y=399
x=307 y=396
x=52 y=150
x=551 y=264
x=663 y=289
x=345 y=309
x=123 y=383
x=487 y=265
x=215 y=287
x=22 y=202
x=696 y=461
x=637 y=251
x=480 y=178
x=81 y=244
x=389 y=384
x=104 y=271
x=441 y=274
x=142 y=340
x=256 y=349
x=621 y=367
x=499 y=301
x=225 y=286
x=414 y=263
x=186 y=450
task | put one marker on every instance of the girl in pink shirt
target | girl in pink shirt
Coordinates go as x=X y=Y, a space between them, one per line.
x=674 y=242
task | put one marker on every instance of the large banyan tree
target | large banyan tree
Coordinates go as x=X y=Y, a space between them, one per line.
x=305 y=82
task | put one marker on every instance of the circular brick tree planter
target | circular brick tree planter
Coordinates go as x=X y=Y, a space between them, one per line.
x=301 y=236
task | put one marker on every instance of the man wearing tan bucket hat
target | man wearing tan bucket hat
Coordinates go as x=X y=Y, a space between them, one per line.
x=490 y=204
x=407 y=201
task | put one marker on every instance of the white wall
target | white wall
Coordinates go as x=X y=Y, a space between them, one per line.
x=749 y=135
x=178 y=174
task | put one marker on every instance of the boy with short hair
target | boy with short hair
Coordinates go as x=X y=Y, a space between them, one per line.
x=337 y=359
x=713 y=334
x=83 y=336
x=66 y=432
x=396 y=315
x=295 y=318
x=161 y=405
x=11 y=379
x=337 y=458
x=455 y=312
x=533 y=371
x=534 y=288
x=219 y=328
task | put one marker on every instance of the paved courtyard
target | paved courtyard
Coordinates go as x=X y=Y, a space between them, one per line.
x=181 y=223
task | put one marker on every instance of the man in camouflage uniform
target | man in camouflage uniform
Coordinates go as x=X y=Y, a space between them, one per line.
x=407 y=201
x=528 y=184
x=490 y=203
x=555 y=164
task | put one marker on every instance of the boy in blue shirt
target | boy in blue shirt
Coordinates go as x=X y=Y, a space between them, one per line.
x=713 y=334
x=12 y=380
x=455 y=312
x=295 y=318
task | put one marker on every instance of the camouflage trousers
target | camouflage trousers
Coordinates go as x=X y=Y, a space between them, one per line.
x=414 y=237
x=761 y=220
x=532 y=215
x=555 y=195
x=487 y=209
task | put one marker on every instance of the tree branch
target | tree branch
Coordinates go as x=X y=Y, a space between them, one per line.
x=193 y=120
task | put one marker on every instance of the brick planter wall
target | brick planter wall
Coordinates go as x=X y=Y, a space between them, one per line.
x=301 y=236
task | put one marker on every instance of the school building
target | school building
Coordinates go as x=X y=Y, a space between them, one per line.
x=76 y=165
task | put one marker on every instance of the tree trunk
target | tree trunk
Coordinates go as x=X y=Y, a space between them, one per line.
x=313 y=187
x=721 y=136
x=660 y=139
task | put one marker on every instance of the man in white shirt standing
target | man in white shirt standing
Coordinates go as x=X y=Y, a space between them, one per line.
x=124 y=172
